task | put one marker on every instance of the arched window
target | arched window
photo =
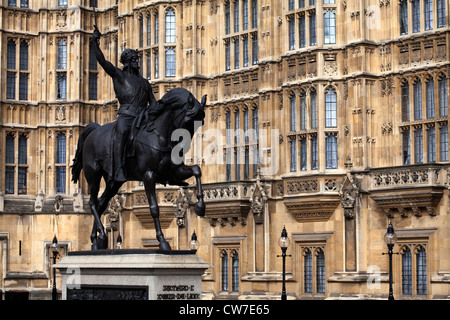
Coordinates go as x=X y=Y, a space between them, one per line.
x=404 y=17
x=421 y=271
x=428 y=4
x=235 y=271
x=255 y=13
x=237 y=142
x=443 y=100
x=170 y=26
x=227 y=17
x=441 y=13
x=416 y=15
x=406 y=272
x=141 y=31
x=61 y=163
x=330 y=108
x=224 y=271
x=417 y=87
x=23 y=55
x=292 y=33
x=292 y=113
x=11 y=55
x=331 y=151
x=405 y=101
x=293 y=147
x=170 y=62
x=313 y=111
x=228 y=142
x=62 y=54
x=149 y=29
x=418 y=145
x=9 y=161
x=236 y=16
x=320 y=271
x=430 y=97
x=255 y=140
x=244 y=14
x=444 y=142
x=308 y=271
x=156 y=27
x=329 y=20
x=303 y=111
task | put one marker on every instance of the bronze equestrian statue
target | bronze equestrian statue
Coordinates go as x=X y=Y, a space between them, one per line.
x=138 y=146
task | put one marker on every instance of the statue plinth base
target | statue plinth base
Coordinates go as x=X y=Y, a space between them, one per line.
x=129 y=274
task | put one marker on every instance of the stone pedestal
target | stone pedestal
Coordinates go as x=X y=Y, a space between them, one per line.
x=132 y=275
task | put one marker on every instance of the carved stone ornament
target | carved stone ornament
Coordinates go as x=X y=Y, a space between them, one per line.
x=182 y=204
x=258 y=201
x=114 y=210
x=349 y=194
x=58 y=205
x=60 y=113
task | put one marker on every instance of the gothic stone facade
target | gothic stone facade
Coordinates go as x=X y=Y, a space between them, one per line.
x=349 y=100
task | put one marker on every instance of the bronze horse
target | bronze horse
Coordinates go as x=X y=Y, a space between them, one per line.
x=151 y=159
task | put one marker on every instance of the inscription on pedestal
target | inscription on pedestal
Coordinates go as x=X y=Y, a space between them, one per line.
x=178 y=292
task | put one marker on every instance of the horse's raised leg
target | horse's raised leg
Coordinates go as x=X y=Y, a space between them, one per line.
x=184 y=172
x=149 y=183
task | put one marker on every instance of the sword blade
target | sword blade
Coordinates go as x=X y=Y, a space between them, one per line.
x=95 y=18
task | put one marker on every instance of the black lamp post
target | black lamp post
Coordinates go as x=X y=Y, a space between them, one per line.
x=284 y=242
x=390 y=238
x=193 y=244
x=54 y=248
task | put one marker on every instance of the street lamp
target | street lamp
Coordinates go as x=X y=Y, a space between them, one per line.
x=193 y=244
x=54 y=248
x=284 y=242
x=390 y=238
x=119 y=242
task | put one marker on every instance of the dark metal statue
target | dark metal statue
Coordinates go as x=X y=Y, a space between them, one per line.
x=138 y=146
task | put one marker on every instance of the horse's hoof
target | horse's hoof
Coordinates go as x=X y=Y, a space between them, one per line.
x=164 y=245
x=94 y=245
x=102 y=242
x=199 y=209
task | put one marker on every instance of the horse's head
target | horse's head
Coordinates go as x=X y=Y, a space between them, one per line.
x=194 y=114
x=187 y=111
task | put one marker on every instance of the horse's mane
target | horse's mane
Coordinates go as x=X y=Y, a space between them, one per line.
x=174 y=99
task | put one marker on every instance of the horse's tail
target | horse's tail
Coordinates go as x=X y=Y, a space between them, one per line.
x=78 y=160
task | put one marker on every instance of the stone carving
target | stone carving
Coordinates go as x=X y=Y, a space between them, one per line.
x=401 y=177
x=114 y=210
x=301 y=186
x=61 y=19
x=386 y=128
x=58 y=205
x=330 y=68
x=183 y=199
x=258 y=200
x=386 y=87
x=60 y=113
x=221 y=192
x=403 y=59
x=349 y=194
x=441 y=50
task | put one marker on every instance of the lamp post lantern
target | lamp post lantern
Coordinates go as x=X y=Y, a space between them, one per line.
x=193 y=244
x=390 y=238
x=119 y=242
x=284 y=242
x=54 y=248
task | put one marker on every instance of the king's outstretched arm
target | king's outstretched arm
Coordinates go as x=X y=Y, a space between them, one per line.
x=106 y=65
